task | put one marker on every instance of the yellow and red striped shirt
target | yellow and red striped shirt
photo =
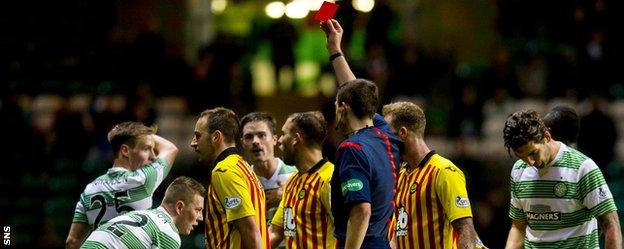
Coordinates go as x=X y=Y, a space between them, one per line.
x=234 y=192
x=429 y=198
x=304 y=211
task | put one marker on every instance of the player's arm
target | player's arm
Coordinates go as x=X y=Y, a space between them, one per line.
x=77 y=235
x=276 y=234
x=465 y=230
x=610 y=225
x=357 y=225
x=165 y=149
x=250 y=233
x=334 y=32
x=515 y=239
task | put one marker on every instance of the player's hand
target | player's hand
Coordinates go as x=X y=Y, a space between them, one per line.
x=334 y=32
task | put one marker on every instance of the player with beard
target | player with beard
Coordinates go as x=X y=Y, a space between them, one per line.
x=303 y=217
x=235 y=208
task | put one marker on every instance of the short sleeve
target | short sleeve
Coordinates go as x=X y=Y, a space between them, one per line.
x=155 y=173
x=354 y=174
x=233 y=192
x=593 y=190
x=516 y=211
x=451 y=190
x=80 y=216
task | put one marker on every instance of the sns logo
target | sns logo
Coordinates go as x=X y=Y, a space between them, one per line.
x=7 y=235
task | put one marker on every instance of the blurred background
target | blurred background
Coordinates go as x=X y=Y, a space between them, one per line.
x=70 y=70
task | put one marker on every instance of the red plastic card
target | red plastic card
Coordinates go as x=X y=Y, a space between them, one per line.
x=326 y=12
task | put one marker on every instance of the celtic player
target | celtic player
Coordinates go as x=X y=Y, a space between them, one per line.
x=559 y=198
x=142 y=160
x=180 y=211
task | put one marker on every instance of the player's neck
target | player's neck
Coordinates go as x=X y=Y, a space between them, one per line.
x=307 y=158
x=122 y=163
x=553 y=147
x=356 y=124
x=419 y=151
x=266 y=168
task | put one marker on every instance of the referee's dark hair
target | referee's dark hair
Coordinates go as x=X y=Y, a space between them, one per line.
x=361 y=95
x=563 y=123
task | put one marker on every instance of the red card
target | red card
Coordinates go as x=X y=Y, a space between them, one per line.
x=326 y=12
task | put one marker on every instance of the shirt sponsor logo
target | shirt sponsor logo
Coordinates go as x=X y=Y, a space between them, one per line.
x=352 y=186
x=546 y=216
x=462 y=202
x=232 y=202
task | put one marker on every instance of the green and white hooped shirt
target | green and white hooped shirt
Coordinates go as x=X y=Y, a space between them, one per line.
x=152 y=228
x=119 y=191
x=560 y=202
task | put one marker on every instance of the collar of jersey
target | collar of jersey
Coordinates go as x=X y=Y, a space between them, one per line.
x=426 y=158
x=225 y=153
x=317 y=166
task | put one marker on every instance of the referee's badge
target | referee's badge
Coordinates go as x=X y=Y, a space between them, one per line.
x=413 y=187
x=301 y=193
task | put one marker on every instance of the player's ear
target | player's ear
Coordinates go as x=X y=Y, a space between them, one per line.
x=402 y=132
x=124 y=150
x=179 y=206
x=297 y=138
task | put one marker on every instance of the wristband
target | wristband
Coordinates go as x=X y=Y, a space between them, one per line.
x=334 y=56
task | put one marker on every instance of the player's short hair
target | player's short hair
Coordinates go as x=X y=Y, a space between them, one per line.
x=406 y=114
x=523 y=127
x=259 y=117
x=563 y=123
x=361 y=95
x=311 y=125
x=183 y=189
x=128 y=133
x=223 y=120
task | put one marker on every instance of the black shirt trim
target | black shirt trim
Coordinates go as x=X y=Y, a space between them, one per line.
x=426 y=158
x=317 y=166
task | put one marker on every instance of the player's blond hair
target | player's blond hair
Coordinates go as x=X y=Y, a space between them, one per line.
x=183 y=189
x=408 y=115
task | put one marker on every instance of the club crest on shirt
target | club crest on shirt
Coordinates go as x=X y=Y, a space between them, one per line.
x=560 y=189
x=413 y=187
x=232 y=202
x=301 y=193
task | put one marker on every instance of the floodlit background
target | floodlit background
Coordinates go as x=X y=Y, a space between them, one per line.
x=69 y=70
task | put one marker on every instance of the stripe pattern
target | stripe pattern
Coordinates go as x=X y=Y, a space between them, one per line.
x=219 y=232
x=118 y=191
x=305 y=212
x=152 y=228
x=560 y=202
x=421 y=218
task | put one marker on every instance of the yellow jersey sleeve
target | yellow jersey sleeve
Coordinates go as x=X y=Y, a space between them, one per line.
x=232 y=188
x=278 y=217
x=451 y=189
